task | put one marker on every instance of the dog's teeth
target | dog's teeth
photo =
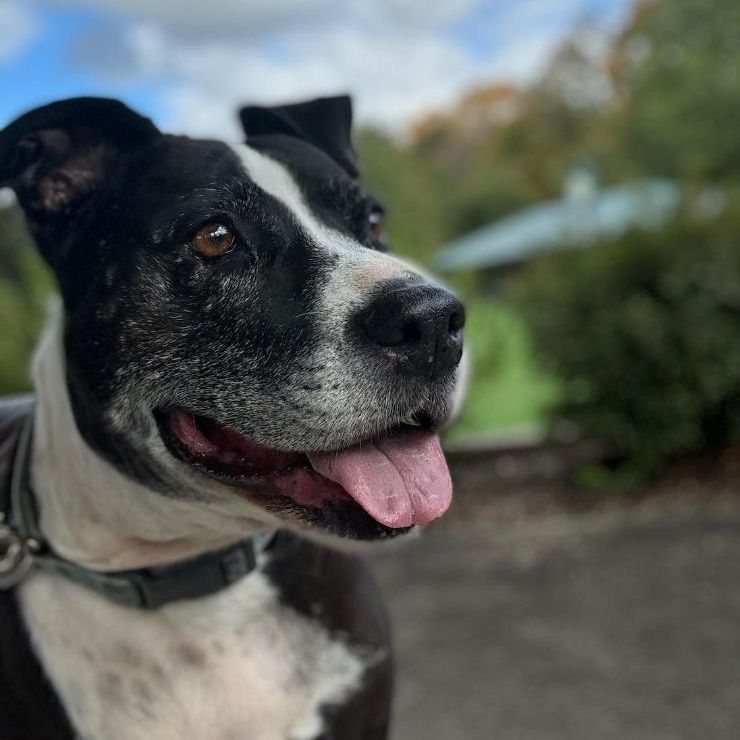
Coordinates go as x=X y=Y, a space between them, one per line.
x=410 y=421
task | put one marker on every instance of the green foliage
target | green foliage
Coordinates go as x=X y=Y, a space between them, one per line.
x=681 y=81
x=24 y=287
x=670 y=109
x=507 y=389
x=409 y=189
x=431 y=196
x=645 y=334
x=666 y=95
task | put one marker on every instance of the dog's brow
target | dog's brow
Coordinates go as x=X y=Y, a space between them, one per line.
x=273 y=178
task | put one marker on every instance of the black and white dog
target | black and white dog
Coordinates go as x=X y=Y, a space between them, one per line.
x=235 y=353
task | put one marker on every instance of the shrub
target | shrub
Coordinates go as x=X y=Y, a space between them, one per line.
x=644 y=335
x=24 y=286
x=506 y=388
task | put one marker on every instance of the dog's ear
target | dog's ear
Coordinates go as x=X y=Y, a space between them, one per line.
x=325 y=122
x=56 y=157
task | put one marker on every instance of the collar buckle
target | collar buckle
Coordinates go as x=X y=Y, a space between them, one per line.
x=22 y=546
x=16 y=556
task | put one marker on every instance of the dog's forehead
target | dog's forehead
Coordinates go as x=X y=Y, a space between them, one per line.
x=300 y=178
x=183 y=164
x=307 y=183
x=277 y=180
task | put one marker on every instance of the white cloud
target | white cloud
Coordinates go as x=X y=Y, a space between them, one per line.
x=18 y=27
x=250 y=17
x=394 y=77
x=399 y=58
x=210 y=16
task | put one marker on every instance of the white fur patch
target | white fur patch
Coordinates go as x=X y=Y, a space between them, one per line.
x=236 y=665
x=358 y=268
x=356 y=271
x=95 y=515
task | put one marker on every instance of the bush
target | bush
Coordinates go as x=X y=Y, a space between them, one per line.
x=506 y=388
x=25 y=284
x=644 y=334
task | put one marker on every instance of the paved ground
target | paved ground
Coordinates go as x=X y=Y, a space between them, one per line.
x=541 y=624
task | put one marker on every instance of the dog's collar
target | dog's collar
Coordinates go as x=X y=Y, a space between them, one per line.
x=22 y=546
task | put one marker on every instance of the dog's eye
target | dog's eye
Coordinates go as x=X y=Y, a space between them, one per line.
x=213 y=240
x=376 y=223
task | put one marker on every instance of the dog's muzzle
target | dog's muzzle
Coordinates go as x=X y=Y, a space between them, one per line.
x=416 y=325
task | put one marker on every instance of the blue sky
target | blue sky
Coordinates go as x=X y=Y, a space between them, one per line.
x=188 y=65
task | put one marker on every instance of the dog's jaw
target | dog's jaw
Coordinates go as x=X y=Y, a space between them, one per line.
x=95 y=515
x=91 y=512
x=238 y=663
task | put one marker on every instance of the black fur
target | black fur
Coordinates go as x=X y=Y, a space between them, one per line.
x=112 y=204
x=151 y=324
x=334 y=589
x=29 y=707
x=243 y=338
x=339 y=591
x=326 y=123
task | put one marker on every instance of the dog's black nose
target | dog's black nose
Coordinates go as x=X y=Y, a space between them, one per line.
x=417 y=323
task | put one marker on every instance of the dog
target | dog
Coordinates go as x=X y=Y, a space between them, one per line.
x=235 y=354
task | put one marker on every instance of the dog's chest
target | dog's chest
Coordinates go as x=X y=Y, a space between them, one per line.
x=237 y=665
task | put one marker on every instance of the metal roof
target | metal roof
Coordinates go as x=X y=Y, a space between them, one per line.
x=562 y=222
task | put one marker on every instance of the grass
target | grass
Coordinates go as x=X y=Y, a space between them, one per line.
x=507 y=389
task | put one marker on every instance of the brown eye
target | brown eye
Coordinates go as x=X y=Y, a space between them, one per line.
x=213 y=240
x=376 y=223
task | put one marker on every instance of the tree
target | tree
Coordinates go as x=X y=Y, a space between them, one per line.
x=24 y=286
x=676 y=67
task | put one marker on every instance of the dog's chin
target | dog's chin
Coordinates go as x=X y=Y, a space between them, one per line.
x=377 y=489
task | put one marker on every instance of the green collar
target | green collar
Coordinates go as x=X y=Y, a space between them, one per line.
x=22 y=547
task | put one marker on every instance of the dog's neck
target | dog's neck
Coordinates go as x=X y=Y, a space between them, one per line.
x=90 y=512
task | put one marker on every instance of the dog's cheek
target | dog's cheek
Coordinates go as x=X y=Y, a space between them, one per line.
x=460 y=390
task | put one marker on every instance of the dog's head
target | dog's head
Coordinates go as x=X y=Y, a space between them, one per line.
x=234 y=325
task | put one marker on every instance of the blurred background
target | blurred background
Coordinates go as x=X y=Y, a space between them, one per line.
x=572 y=167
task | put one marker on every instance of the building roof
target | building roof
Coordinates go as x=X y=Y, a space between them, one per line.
x=580 y=218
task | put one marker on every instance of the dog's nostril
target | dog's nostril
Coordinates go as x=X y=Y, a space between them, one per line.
x=388 y=325
x=411 y=331
x=457 y=319
x=382 y=330
x=421 y=322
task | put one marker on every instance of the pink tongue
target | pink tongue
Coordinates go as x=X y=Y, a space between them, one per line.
x=398 y=481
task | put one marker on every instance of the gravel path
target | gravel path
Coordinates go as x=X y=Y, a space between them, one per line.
x=526 y=621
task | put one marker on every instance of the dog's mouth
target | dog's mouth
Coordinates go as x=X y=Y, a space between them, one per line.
x=398 y=479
